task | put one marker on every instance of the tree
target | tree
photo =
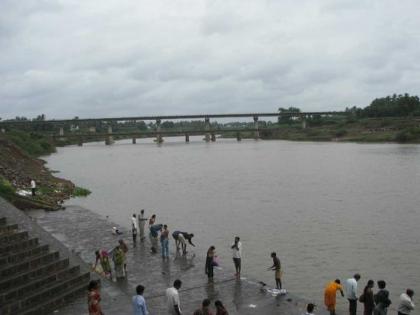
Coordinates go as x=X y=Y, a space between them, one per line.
x=286 y=118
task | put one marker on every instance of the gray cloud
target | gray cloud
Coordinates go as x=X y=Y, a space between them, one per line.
x=124 y=57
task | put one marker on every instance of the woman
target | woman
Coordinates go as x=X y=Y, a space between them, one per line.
x=211 y=253
x=367 y=298
x=118 y=257
x=220 y=309
x=103 y=258
x=94 y=298
x=164 y=241
x=152 y=220
x=124 y=249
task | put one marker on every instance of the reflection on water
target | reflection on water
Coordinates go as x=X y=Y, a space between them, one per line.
x=328 y=209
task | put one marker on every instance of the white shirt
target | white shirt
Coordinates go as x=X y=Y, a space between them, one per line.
x=350 y=287
x=33 y=184
x=237 y=253
x=134 y=221
x=406 y=304
x=173 y=299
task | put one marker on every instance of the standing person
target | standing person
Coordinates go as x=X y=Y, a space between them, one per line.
x=154 y=233
x=142 y=222
x=277 y=270
x=134 y=228
x=33 y=187
x=406 y=303
x=152 y=220
x=351 y=293
x=118 y=258
x=220 y=308
x=139 y=303
x=180 y=238
x=205 y=308
x=124 y=249
x=172 y=296
x=237 y=255
x=94 y=298
x=103 y=257
x=330 y=295
x=310 y=309
x=367 y=298
x=381 y=299
x=164 y=241
x=211 y=253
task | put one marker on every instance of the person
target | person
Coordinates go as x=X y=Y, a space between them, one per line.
x=33 y=187
x=164 y=241
x=351 y=293
x=134 y=228
x=205 y=308
x=124 y=249
x=94 y=298
x=180 y=238
x=367 y=298
x=142 y=222
x=381 y=299
x=172 y=296
x=277 y=270
x=154 y=233
x=211 y=253
x=118 y=258
x=103 y=257
x=220 y=308
x=139 y=303
x=406 y=303
x=237 y=255
x=330 y=295
x=152 y=220
x=310 y=309
x=116 y=231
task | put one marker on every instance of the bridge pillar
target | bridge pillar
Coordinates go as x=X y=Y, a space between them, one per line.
x=303 y=118
x=159 y=138
x=3 y=130
x=213 y=137
x=207 y=128
x=61 y=132
x=134 y=140
x=187 y=137
x=238 y=136
x=109 y=139
x=92 y=129
x=257 y=132
x=80 y=142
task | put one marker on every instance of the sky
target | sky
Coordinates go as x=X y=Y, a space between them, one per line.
x=96 y=58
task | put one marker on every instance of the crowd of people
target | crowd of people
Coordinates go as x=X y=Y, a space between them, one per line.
x=373 y=303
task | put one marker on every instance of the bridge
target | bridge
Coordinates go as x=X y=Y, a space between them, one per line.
x=85 y=128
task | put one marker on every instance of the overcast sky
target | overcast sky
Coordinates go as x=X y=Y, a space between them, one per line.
x=94 y=58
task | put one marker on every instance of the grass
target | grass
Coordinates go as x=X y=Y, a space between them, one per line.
x=33 y=144
x=80 y=192
x=6 y=189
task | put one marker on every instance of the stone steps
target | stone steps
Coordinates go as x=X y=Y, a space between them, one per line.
x=15 y=257
x=33 y=279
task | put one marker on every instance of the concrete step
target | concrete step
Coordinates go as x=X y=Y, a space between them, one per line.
x=19 y=246
x=27 y=288
x=3 y=221
x=7 y=228
x=15 y=257
x=58 y=301
x=45 y=295
x=29 y=264
x=16 y=280
x=13 y=237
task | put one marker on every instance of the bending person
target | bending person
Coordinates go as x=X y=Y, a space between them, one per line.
x=180 y=238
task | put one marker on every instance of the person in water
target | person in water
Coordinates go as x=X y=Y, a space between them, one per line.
x=180 y=240
x=211 y=253
x=277 y=270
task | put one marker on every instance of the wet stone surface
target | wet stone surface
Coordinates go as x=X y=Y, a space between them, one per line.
x=83 y=232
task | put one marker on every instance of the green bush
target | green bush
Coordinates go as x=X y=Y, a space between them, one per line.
x=340 y=133
x=6 y=188
x=80 y=192
x=32 y=143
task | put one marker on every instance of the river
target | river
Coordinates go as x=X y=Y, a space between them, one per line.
x=328 y=209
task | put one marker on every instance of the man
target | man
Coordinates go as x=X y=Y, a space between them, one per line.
x=142 y=222
x=172 y=297
x=382 y=300
x=351 y=293
x=310 y=309
x=237 y=255
x=33 y=187
x=139 y=303
x=205 y=308
x=277 y=269
x=180 y=238
x=331 y=293
x=406 y=303
x=134 y=228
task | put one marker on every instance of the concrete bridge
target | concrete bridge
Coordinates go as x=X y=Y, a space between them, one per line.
x=89 y=125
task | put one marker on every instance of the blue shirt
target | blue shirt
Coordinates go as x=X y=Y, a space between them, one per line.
x=139 y=305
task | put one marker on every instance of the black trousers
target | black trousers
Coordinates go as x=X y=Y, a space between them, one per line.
x=352 y=306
